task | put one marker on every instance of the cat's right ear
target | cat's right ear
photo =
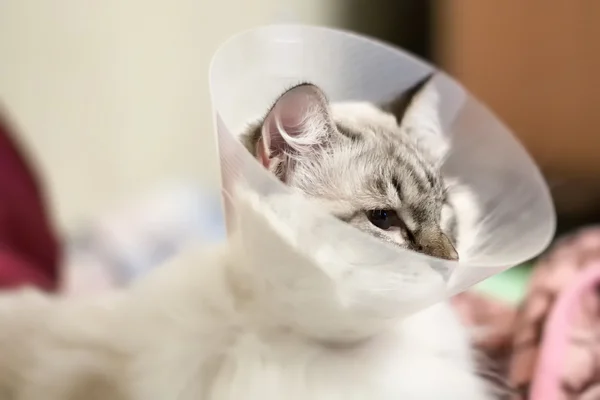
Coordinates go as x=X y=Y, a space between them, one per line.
x=400 y=105
x=299 y=121
x=417 y=113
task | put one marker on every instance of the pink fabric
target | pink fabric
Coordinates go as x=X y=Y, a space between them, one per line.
x=556 y=340
x=30 y=250
x=560 y=321
x=548 y=348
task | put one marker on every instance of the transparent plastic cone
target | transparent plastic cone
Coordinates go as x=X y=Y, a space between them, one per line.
x=276 y=225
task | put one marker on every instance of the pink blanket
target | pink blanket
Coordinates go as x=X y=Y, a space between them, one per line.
x=549 y=348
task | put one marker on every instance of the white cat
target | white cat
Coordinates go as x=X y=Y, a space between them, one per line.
x=203 y=327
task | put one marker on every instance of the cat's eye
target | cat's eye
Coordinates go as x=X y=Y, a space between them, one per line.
x=383 y=219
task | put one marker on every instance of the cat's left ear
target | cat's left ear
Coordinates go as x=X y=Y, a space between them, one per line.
x=417 y=113
x=299 y=121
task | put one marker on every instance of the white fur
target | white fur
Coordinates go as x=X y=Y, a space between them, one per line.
x=221 y=323
x=205 y=326
x=195 y=330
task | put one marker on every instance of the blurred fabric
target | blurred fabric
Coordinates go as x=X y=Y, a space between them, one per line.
x=29 y=247
x=115 y=248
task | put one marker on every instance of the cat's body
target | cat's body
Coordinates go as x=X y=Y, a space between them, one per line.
x=200 y=328
x=189 y=332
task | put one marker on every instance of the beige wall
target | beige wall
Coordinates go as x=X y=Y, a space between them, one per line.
x=112 y=95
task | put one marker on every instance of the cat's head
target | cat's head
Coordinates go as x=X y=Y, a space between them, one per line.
x=375 y=167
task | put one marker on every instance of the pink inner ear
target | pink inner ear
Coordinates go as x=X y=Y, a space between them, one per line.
x=288 y=120
x=262 y=153
x=289 y=115
x=292 y=112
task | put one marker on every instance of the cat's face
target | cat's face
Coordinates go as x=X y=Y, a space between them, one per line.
x=377 y=170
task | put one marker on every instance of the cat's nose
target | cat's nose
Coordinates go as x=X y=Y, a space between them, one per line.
x=446 y=253
x=438 y=245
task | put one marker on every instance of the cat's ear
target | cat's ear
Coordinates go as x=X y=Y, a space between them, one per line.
x=299 y=121
x=417 y=113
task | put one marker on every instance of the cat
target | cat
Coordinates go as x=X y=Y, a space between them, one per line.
x=198 y=328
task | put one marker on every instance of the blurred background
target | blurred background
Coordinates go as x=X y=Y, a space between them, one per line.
x=111 y=97
x=109 y=100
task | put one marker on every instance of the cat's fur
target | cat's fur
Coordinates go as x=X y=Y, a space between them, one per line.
x=198 y=329
x=353 y=157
